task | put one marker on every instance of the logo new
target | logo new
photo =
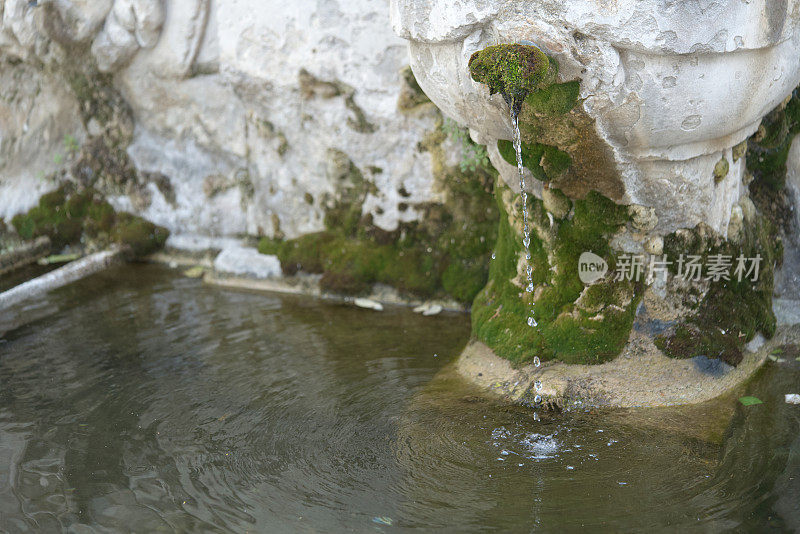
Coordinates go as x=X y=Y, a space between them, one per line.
x=591 y=267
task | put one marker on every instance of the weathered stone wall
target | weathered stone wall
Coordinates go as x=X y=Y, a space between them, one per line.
x=240 y=111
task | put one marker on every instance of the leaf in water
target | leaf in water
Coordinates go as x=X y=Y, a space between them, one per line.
x=383 y=520
x=777 y=351
x=750 y=401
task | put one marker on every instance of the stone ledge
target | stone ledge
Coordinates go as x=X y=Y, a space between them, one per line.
x=640 y=377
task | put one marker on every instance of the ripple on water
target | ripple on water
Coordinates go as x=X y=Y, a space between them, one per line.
x=144 y=399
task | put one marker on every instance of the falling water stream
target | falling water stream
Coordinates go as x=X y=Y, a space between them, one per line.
x=526 y=235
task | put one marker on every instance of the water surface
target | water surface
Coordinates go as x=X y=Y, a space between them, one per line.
x=138 y=400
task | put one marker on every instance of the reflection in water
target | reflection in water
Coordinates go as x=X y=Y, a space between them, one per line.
x=140 y=400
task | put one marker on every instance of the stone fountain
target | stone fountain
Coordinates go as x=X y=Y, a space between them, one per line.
x=639 y=150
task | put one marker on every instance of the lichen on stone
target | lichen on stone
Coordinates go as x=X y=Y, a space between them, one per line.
x=411 y=94
x=721 y=169
x=313 y=87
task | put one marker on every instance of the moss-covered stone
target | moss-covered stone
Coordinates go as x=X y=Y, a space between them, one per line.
x=69 y=217
x=576 y=323
x=444 y=254
x=731 y=312
x=560 y=144
x=767 y=152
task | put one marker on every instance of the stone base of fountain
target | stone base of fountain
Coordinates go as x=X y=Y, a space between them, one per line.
x=640 y=377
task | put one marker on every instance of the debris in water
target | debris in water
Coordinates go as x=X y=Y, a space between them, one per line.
x=368 y=304
x=194 y=272
x=792 y=398
x=383 y=520
x=428 y=309
x=434 y=309
x=750 y=401
x=58 y=258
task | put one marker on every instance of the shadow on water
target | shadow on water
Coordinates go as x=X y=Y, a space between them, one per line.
x=141 y=400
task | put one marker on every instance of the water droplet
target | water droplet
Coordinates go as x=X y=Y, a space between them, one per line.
x=537 y=399
x=493 y=255
x=538 y=385
x=536 y=416
x=529 y=270
x=532 y=322
x=527 y=255
x=526 y=242
x=536 y=361
x=529 y=289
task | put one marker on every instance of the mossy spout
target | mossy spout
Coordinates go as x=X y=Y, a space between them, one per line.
x=513 y=70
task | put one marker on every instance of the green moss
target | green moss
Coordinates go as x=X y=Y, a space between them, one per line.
x=50 y=218
x=513 y=70
x=575 y=324
x=560 y=143
x=547 y=163
x=69 y=217
x=143 y=237
x=768 y=149
x=732 y=311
